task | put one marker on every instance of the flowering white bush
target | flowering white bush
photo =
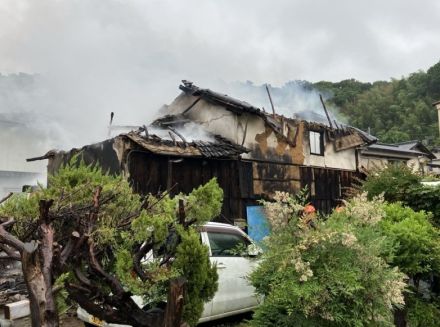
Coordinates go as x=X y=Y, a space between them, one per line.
x=280 y=212
x=365 y=211
x=331 y=272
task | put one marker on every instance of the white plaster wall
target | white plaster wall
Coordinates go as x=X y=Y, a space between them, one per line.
x=216 y=119
x=345 y=159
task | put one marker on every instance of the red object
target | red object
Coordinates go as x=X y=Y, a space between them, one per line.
x=339 y=209
x=309 y=209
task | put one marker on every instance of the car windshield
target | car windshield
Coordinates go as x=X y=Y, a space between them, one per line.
x=227 y=243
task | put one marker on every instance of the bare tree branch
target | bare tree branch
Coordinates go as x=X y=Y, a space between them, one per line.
x=11 y=253
x=9 y=239
x=137 y=258
x=6 y=197
x=70 y=246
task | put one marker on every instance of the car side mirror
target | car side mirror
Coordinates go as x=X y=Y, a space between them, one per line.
x=253 y=250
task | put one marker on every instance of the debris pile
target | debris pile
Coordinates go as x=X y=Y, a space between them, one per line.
x=12 y=285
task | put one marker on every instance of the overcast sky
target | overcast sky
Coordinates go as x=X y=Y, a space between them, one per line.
x=129 y=56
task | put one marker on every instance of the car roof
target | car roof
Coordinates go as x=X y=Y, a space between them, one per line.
x=214 y=224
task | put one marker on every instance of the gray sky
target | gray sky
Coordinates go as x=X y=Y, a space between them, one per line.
x=129 y=56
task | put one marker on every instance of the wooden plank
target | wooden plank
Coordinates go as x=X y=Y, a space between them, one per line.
x=347 y=142
x=17 y=310
x=190 y=167
x=246 y=185
x=235 y=179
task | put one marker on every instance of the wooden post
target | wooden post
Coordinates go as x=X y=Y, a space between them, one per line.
x=181 y=212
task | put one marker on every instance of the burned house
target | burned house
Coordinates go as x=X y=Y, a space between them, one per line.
x=205 y=134
x=284 y=153
x=158 y=159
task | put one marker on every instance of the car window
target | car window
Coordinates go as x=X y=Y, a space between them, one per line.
x=226 y=244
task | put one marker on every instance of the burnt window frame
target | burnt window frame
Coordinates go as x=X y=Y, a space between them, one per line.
x=321 y=142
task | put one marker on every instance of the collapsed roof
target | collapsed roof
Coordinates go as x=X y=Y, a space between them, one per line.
x=215 y=146
x=171 y=140
x=275 y=121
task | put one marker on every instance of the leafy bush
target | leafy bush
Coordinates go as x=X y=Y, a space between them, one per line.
x=427 y=198
x=327 y=273
x=422 y=313
x=400 y=183
x=417 y=250
x=393 y=182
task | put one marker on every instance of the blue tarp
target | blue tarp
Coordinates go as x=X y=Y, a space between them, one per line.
x=258 y=226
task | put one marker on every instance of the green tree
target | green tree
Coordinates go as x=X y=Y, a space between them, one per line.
x=394 y=182
x=92 y=227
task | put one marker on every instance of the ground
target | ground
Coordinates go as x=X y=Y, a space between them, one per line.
x=72 y=321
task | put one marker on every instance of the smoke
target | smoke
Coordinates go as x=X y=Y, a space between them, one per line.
x=90 y=58
x=190 y=131
x=294 y=99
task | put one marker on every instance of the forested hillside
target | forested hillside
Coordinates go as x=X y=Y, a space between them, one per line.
x=394 y=111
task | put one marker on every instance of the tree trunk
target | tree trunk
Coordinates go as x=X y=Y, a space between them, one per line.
x=41 y=311
x=37 y=263
x=176 y=299
x=400 y=315
x=400 y=318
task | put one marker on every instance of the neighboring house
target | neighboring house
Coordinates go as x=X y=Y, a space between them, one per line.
x=434 y=164
x=205 y=134
x=412 y=153
x=18 y=142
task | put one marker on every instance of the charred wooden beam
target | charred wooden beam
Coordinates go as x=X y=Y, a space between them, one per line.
x=270 y=99
x=191 y=106
x=178 y=134
x=326 y=112
x=48 y=155
x=146 y=131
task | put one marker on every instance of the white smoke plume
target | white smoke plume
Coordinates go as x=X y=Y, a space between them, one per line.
x=128 y=57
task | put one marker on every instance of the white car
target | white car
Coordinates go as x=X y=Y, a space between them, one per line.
x=235 y=295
